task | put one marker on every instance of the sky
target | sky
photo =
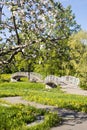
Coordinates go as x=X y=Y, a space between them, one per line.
x=79 y=8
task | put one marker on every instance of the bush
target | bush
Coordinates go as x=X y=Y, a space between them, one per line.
x=5 y=77
x=83 y=84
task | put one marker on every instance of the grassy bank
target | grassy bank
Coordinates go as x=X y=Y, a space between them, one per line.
x=37 y=92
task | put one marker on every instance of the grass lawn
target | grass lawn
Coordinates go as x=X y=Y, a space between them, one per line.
x=37 y=92
x=17 y=117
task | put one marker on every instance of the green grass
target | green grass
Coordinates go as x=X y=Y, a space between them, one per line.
x=59 y=99
x=17 y=117
x=18 y=89
x=37 y=92
x=50 y=120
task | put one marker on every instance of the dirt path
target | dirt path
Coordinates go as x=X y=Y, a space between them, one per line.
x=71 y=89
x=80 y=126
x=71 y=120
x=18 y=100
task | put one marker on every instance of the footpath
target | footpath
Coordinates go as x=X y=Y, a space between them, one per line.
x=72 y=120
x=71 y=89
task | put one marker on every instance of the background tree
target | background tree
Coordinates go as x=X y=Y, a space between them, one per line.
x=78 y=53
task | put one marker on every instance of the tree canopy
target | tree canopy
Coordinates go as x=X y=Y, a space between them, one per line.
x=77 y=65
x=32 y=23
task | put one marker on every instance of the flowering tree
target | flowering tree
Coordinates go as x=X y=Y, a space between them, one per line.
x=27 y=24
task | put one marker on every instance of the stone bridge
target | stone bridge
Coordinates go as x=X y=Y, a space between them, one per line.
x=32 y=76
x=35 y=77
x=52 y=81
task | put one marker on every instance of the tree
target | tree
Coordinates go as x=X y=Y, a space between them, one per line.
x=78 y=52
x=32 y=23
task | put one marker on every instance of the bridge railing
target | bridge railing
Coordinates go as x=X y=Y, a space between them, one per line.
x=32 y=76
x=19 y=74
x=36 y=74
x=71 y=79
x=63 y=81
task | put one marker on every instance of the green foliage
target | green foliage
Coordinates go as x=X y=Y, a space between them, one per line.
x=17 y=117
x=83 y=81
x=52 y=119
x=44 y=23
x=78 y=62
x=5 y=77
x=22 y=63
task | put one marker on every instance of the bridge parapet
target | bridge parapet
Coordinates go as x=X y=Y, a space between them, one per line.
x=36 y=77
x=32 y=76
x=16 y=76
x=19 y=74
x=66 y=81
x=70 y=79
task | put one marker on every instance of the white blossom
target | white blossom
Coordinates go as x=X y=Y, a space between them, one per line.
x=14 y=13
x=42 y=17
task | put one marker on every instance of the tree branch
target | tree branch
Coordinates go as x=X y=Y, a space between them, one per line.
x=5 y=51
x=18 y=39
